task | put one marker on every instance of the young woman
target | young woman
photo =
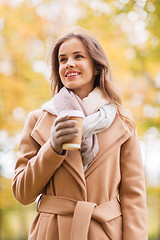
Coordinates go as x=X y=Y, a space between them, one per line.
x=97 y=192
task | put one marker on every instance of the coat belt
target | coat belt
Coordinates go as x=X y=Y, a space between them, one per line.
x=82 y=212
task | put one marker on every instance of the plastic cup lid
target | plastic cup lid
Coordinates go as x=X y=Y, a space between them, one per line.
x=72 y=113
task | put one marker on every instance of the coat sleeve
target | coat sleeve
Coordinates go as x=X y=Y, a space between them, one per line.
x=132 y=191
x=35 y=165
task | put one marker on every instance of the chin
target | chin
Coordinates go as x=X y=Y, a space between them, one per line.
x=71 y=86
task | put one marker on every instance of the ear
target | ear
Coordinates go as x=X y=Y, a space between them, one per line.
x=96 y=72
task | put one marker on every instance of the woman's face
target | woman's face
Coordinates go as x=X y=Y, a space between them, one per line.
x=76 y=69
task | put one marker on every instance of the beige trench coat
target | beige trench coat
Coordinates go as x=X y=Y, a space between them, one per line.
x=107 y=202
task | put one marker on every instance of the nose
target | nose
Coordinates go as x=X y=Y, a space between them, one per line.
x=70 y=63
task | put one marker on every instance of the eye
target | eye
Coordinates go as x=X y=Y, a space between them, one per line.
x=79 y=56
x=63 y=59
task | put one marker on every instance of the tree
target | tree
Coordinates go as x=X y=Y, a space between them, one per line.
x=128 y=31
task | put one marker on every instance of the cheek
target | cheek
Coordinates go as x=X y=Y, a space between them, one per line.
x=89 y=68
x=90 y=72
x=61 y=71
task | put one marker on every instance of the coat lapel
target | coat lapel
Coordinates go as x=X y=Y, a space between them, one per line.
x=109 y=140
x=42 y=129
x=73 y=161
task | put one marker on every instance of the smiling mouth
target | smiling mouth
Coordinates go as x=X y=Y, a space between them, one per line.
x=69 y=75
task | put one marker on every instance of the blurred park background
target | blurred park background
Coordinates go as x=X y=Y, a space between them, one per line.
x=128 y=30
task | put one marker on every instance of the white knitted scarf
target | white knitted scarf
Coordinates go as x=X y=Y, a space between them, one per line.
x=99 y=115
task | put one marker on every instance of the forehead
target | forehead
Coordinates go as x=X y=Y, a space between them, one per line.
x=72 y=45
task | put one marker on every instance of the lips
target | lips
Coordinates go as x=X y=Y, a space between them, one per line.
x=70 y=74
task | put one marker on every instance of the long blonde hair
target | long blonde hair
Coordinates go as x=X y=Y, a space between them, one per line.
x=103 y=79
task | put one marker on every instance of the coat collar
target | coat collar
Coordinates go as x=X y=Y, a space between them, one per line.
x=108 y=140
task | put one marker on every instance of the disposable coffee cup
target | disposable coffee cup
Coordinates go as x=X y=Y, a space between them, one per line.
x=78 y=116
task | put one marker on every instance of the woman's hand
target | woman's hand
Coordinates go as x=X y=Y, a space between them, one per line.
x=63 y=130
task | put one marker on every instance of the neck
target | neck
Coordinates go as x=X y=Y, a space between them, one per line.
x=82 y=93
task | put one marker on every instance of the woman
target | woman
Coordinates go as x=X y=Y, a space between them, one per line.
x=97 y=192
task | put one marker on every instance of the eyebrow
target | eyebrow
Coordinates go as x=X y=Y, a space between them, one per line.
x=61 y=55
